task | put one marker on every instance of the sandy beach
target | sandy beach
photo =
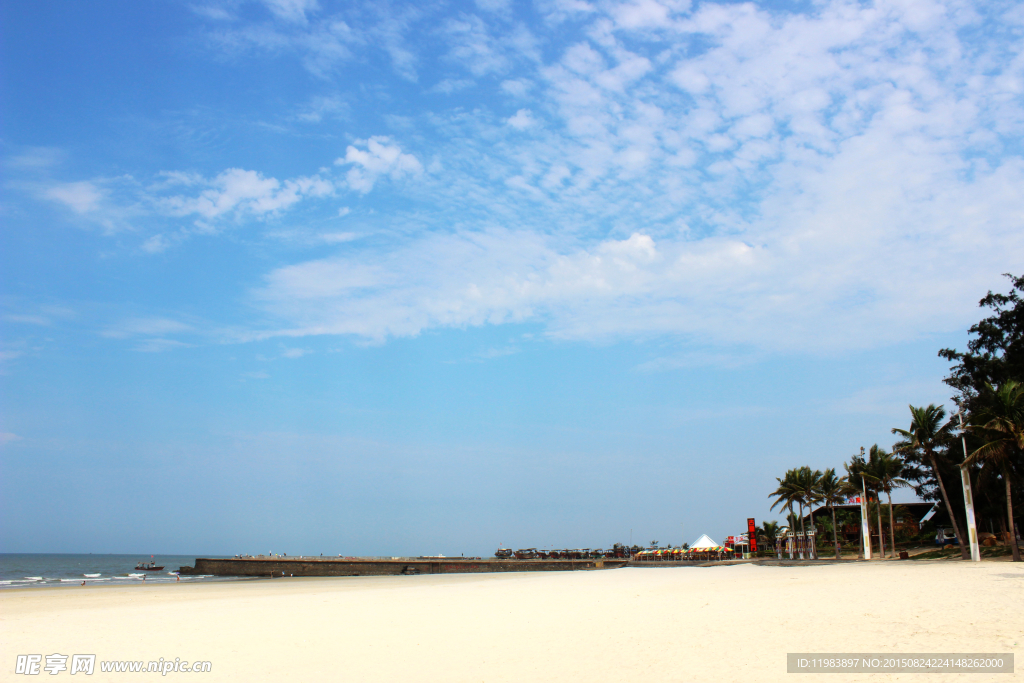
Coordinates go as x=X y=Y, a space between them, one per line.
x=677 y=624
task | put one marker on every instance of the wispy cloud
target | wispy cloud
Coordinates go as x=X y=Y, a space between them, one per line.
x=733 y=174
x=10 y=354
x=240 y=191
x=296 y=11
x=368 y=160
x=28 y=319
x=151 y=335
x=158 y=345
x=8 y=437
x=82 y=196
x=145 y=326
x=43 y=316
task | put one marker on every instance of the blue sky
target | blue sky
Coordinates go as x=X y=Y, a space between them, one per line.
x=383 y=278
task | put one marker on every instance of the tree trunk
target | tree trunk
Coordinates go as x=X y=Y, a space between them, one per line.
x=1009 y=515
x=803 y=530
x=965 y=553
x=881 y=534
x=892 y=526
x=812 y=550
x=835 y=531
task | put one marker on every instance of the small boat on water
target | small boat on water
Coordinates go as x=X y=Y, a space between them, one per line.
x=147 y=567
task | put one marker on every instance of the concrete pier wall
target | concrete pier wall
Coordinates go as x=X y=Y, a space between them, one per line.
x=284 y=566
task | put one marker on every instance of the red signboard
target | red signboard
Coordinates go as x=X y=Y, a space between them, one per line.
x=752 y=534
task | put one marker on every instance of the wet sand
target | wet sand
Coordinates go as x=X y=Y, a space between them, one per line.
x=667 y=624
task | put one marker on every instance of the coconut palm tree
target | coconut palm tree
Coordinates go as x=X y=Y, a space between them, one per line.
x=888 y=471
x=788 y=493
x=1002 y=428
x=768 y=533
x=807 y=481
x=793 y=521
x=927 y=434
x=832 y=491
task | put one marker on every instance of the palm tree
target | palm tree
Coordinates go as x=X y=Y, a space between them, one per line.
x=889 y=469
x=769 y=532
x=882 y=471
x=832 y=490
x=807 y=481
x=793 y=520
x=1003 y=430
x=788 y=493
x=927 y=434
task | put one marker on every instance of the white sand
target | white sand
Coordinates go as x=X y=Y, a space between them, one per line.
x=722 y=623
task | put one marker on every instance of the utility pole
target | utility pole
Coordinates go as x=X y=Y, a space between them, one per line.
x=865 y=526
x=965 y=478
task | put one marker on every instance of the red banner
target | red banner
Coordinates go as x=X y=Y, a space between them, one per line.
x=752 y=534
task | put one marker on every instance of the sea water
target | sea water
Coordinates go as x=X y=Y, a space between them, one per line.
x=24 y=570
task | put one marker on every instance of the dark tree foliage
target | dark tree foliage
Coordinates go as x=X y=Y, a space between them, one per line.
x=917 y=471
x=996 y=353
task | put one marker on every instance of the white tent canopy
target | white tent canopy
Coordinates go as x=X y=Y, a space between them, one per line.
x=704 y=542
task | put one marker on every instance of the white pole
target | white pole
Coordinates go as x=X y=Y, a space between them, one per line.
x=965 y=478
x=864 y=525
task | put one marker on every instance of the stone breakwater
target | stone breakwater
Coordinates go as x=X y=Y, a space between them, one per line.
x=286 y=566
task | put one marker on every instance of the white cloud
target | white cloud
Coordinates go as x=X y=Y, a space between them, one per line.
x=240 y=191
x=28 y=319
x=145 y=326
x=724 y=172
x=497 y=6
x=82 y=196
x=517 y=87
x=156 y=244
x=645 y=13
x=158 y=345
x=558 y=11
x=215 y=12
x=824 y=269
x=150 y=335
x=473 y=47
x=337 y=237
x=450 y=85
x=8 y=437
x=10 y=354
x=325 y=41
x=522 y=120
x=379 y=158
x=36 y=159
x=324 y=106
x=292 y=10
